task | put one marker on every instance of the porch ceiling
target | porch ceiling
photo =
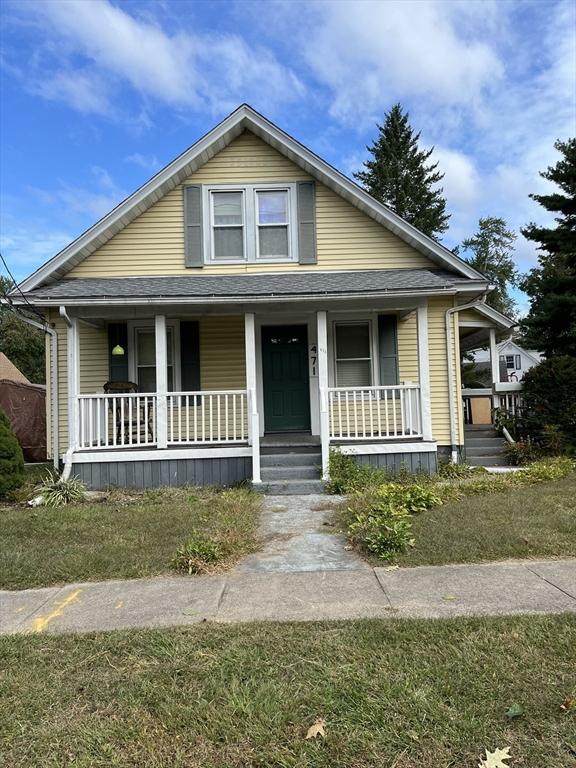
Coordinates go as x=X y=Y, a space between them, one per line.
x=296 y=285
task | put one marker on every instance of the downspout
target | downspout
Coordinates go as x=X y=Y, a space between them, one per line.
x=68 y=455
x=451 y=373
x=53 y=382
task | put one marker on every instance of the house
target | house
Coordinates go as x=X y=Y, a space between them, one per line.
x=248 y=305
x=9 y=372
x=513 y=360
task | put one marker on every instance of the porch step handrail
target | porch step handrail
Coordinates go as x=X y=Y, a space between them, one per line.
x=375 y=412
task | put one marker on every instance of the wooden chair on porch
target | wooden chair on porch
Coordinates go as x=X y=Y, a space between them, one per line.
x=130 y=420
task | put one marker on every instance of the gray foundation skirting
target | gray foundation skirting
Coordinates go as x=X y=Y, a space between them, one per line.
x=412 y=462
x=173 y=472
x=445 y=452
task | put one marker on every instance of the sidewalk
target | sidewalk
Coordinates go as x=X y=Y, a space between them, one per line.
x=241 y=596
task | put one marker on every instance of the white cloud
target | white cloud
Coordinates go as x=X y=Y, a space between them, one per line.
x=371 y=53
x=461 y=181
x=184 y=70
x=24 y=247
x=90 y=203
x=148 y=162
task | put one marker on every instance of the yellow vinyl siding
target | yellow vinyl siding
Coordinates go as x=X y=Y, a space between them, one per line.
x=94 y=370
x=439 y=368
x=472 y=316
x=153 y=244
x=408 y=350
x=222 y=355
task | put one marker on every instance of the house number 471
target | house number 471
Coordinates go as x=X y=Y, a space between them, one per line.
x=313 y=360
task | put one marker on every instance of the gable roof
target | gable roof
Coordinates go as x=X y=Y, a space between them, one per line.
x=242 y=119
x=9 y=371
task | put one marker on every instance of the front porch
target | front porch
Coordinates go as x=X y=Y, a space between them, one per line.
x=292 y=368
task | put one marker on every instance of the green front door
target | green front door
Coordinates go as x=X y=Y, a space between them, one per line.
x=286 y=384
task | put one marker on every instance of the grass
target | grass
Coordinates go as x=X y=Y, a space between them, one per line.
x=126 y=536
x=401 y=693
x=537 y=521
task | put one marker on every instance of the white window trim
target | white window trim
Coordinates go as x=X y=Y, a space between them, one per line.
x=148 y=325
x=374 y=374
x=212 y=226
x=290 y=225
x=251 y=255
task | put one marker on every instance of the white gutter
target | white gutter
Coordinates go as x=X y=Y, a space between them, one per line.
x=68 y=455
x=53 y=382
x=451 y=373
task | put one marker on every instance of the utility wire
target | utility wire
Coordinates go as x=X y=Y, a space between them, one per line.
x=7 y=297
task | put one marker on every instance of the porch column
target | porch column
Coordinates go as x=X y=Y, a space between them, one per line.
x=161 y=382
x=322 y=331
x=424 y=371
x=495 y=367
x=253 y=419
x=73 y=361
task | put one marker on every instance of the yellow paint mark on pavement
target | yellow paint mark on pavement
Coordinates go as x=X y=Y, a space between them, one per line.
x=41 y=622
x=119 y=604
x=19 y=610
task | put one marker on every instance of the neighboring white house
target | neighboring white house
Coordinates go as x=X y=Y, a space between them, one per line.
x=513 y=360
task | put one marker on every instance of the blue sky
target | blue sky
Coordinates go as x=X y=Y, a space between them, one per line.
x=98 y=95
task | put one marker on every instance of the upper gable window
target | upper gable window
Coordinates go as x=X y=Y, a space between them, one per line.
x=254 y=222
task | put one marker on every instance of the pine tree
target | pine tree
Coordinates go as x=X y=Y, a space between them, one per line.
x=491 y=251
x=551 y=321
x=397 y=175
x=11 y=458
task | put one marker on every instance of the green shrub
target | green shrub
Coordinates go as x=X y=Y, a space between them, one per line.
x=198 y=555
x=11 y=458
x=522 y=452
x=383 y=533
x=413 y=498
x=347 y=475
x=56 y=492
x=546 y=470
x=550 y=397
x=451 y=471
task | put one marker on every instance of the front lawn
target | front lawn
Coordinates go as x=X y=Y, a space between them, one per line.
x=532 y=521
x=126 y=536
x=402 y=693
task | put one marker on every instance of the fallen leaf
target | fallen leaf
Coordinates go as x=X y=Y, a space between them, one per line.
x=449 y=597
x=413 y=735
x=514 y=710
x=568 y=704
x=391 y=567
x=317 y=729
x=496 y=759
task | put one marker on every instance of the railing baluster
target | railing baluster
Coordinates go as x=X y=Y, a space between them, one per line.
x=242 y=405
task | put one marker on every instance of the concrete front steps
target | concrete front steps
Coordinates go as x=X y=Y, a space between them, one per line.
x=484 y=447
x=291 y=470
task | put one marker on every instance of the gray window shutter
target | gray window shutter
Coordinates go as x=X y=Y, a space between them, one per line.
x=503 y=368
x=388 y=350
x=307 y=223
x=117 y=364
x=190 y=355
x=193 y=235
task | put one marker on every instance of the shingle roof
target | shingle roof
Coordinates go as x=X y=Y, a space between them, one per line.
x=247 y=286
x=9 y=371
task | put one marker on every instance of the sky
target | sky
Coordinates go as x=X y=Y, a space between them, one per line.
x=96 y=96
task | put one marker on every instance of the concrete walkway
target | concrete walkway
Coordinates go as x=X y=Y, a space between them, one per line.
x=245 y=595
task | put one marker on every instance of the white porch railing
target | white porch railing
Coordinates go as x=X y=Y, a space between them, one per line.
x=116 y=421
x=131 y=420
x=361 y=413
x=511 y=402
x=207 y=417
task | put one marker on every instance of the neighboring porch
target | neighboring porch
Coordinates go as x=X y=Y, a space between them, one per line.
x=306 y=376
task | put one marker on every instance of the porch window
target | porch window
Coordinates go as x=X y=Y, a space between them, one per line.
x=146 y=359
x=228 y=226
x=353 y=355
x=272 y=222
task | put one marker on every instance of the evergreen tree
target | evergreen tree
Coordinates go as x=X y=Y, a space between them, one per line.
x=11 y=458
x=551 y=321
x=22 y=344
x=490 y=252
x=397 y=175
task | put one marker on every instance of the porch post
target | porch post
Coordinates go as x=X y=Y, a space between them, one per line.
x=322 y=330
x=161 y=382
x=253 y=419
x=424 y=371
x=73 y=361
x=495 y=367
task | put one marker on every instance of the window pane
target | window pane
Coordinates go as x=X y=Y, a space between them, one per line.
x=147 y=379
x=273 y=241
x=146 y=348
x=227 y=208
x=228 y=243
x=352 y=341
x=272 y=207
x=353 y=373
